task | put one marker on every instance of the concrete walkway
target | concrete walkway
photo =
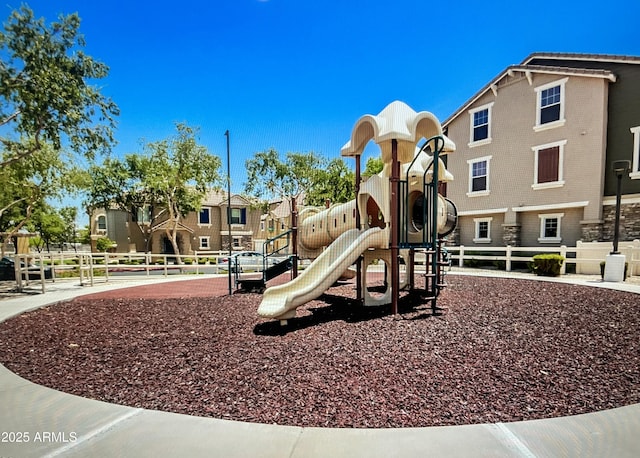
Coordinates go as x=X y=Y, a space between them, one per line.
x=38 y=421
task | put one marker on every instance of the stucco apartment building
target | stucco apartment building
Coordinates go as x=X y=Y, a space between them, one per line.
x=276 y=225
x=534 y=152
x=206 y=230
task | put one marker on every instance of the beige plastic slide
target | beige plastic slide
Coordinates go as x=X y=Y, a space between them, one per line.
x=280 y=302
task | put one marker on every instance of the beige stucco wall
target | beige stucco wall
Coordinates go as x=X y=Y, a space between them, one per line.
x=128 y=235
x=570 y=227
x=466 y=226
x=512 y=163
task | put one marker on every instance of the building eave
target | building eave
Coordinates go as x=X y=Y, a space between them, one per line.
x=528 y=70
x=548 y=207
x=163 y=225
x=611 y=58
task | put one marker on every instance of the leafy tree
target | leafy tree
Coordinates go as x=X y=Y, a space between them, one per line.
x=69 y=234
x=47 y=107
x=268 y=176
x=319 y=178
x=84 y=235
x=172 y=176
x=373 y=166
x=50 y=227
x=335 y=183
x=44 y=92
x=28 y=183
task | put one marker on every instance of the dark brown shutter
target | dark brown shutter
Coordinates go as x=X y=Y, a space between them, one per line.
x=548 y=161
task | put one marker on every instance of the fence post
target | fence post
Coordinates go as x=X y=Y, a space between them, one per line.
x=507 y=264
x=42 y=279
x=91 y=270
x=80 y=273
x=53 y=267
x=563 y=253
x=461 y=256
x=579 y=255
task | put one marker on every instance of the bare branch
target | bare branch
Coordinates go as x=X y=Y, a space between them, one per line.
x=15 y=202
x=18 y=157
x=10 y=118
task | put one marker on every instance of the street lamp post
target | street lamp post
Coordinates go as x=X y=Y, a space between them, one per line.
x=229 y=208
x=614 y=264
x=619 y=168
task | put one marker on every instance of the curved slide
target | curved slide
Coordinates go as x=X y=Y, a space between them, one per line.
x=280 y=302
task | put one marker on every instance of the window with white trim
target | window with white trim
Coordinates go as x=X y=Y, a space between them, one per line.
x=143 y=214
x=550 y=225
x=482 y=230
x=237 y=242
x=480 y=125
x=204 y=242
x=479 y=176
x=101 y=223
x=205 y=216
x=549 y=165
x=238 y=216
x=550 y=105
x=635 y=164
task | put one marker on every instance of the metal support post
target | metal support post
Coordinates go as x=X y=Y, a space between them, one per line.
x=395 y=227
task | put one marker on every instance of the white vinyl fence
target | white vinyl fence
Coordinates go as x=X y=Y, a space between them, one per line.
x=41 y=268
x=586 y=256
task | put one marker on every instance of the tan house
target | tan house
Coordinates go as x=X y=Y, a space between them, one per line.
x=533 y=156
x=276 y=225
x=206 y=230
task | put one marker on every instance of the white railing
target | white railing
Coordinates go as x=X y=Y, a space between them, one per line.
x=44 y=267
x=41 y=268
x=587 y=257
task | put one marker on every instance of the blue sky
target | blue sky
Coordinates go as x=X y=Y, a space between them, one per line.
x=296 y=75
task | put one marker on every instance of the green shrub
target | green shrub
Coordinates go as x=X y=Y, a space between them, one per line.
x=188 y=261
x=103 y=244
x=471 y=263
x=68 y=273
x=202 y=261
x=547 y=265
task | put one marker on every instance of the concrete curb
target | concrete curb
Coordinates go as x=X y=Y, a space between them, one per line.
x=38 y=421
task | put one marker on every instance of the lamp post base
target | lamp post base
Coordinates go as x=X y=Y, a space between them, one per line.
x=614 y=267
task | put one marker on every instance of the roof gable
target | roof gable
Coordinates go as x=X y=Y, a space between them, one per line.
x=168 y=224
x=216 y=198
x=528 y=69
x=237 y=201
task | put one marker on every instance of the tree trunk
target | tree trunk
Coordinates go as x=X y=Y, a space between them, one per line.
x=173 y=238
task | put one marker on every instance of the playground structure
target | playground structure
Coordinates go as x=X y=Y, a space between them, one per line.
x=395 y=215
